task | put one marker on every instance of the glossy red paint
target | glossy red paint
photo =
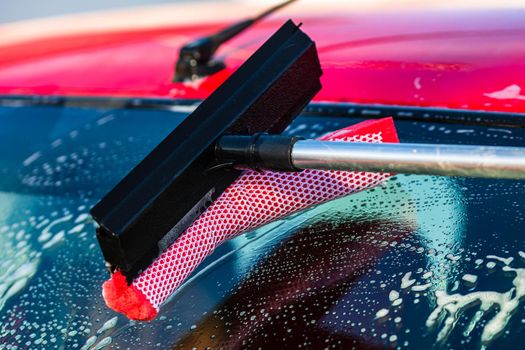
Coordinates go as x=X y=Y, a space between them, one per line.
x=459 y=59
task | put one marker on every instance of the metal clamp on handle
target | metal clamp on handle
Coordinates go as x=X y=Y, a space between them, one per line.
x=260 y=151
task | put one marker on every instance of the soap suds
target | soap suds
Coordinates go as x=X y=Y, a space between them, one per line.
x=393 y=295
x=381 y=313
x=406 y=281
x=469 y=278
x=421 y=287
x=452 y=306
x=511 y=92
x=506 y=261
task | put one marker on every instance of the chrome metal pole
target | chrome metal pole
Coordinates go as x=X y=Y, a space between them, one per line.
x=449 y=160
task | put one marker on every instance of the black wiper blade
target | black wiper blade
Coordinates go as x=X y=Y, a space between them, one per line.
x=196 y=57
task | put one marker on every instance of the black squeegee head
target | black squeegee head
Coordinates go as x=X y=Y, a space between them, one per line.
x=172 y=186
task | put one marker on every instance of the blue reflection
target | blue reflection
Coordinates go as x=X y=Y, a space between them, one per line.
x=367 y=270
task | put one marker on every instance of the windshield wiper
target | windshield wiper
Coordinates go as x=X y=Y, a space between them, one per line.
x=195 y=58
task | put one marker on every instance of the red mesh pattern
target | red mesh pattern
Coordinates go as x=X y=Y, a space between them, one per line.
x=255 y=199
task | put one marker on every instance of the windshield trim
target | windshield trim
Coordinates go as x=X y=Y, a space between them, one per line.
x=329 y=109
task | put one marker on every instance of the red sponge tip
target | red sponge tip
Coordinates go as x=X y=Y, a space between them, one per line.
x=127 y=299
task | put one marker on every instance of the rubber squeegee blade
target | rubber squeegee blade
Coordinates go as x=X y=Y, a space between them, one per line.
x=146 y=212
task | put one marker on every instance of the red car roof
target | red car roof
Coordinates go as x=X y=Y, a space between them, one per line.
x=472 y=59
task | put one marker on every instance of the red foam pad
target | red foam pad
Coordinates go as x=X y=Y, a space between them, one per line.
x=127 y=299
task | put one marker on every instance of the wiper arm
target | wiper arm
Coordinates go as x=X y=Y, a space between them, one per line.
x=195 y=58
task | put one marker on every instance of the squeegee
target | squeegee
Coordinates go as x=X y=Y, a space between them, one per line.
x=226 y=170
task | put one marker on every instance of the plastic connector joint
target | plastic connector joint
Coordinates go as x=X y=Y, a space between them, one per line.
x=259 y=152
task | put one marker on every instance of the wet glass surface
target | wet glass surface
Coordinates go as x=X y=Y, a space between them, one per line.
x=421 y=261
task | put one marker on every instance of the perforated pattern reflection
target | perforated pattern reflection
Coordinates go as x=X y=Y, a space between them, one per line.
x=254 y=199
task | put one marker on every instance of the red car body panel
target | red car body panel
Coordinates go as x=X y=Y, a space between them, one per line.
x=470 y=59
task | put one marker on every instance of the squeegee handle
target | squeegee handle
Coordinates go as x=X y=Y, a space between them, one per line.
x=276 y=152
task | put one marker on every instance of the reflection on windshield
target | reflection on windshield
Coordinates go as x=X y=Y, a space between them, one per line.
x=419 y=262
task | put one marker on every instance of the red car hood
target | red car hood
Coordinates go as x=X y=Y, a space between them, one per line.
x=467 y=58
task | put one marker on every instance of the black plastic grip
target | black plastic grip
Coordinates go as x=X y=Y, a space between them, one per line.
x=260 y=151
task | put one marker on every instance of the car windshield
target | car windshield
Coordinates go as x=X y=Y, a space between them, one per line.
x=420 y=261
